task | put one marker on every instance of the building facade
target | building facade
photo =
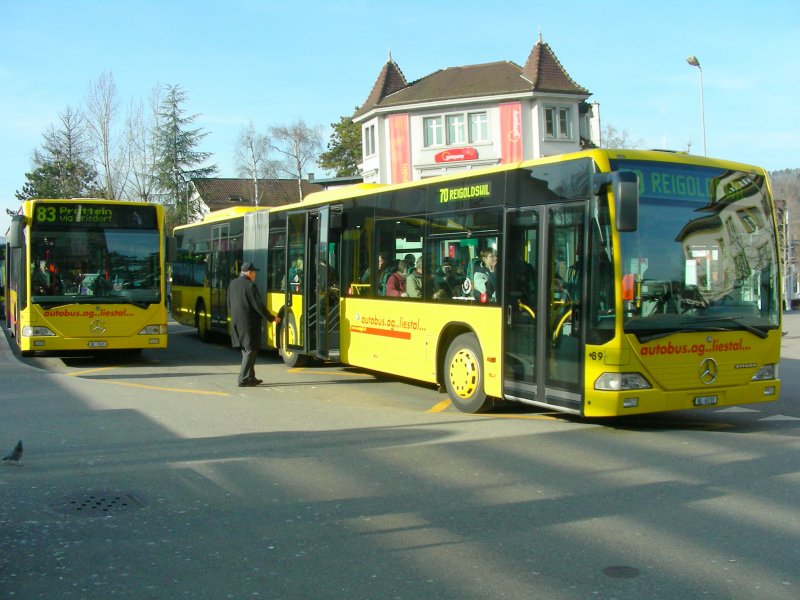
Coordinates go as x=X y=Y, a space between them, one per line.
x=462 y=118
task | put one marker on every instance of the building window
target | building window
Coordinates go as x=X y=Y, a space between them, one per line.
x=557 y=122
x=456 y=129
x=478 y=127
x=369 y=141
x=434 y=132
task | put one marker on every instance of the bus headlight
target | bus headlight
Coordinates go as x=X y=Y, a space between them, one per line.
x=154 y=330
x=766 y=372
x=618 y=382
x=33 y=331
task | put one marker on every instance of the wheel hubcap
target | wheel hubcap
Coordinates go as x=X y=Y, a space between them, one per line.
x=464 y=373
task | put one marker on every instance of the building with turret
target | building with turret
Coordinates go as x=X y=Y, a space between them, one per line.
x=475 y=116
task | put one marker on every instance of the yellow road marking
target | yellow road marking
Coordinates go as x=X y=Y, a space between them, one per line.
x=165 y=389
x=141 y=385
x=441 y=406
x=85 y=371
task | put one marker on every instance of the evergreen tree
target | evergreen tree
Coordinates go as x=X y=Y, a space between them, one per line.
x=178 y=161
x=344 y=149
x=61 y=167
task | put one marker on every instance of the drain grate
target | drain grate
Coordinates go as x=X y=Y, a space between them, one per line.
x=102 y=503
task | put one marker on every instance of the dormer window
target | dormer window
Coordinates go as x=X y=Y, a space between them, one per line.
x=557 y=122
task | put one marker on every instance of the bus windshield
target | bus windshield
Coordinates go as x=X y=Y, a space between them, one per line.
x=95 y=266
x=704 y=255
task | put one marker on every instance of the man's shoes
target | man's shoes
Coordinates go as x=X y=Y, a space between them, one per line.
x=255 y=381
x=249 y=382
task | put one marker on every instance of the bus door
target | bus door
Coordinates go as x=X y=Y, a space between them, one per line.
x=542 y=343
x=219 y=274
x=312 y=287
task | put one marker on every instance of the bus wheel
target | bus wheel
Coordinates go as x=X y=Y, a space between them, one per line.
x=288 y=335
x=463 y=374
x=201 y=320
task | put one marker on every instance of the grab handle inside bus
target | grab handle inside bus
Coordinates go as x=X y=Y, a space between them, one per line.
x=625 y=189
x=15 y=236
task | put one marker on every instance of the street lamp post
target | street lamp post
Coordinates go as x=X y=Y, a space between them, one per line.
x=692 y=60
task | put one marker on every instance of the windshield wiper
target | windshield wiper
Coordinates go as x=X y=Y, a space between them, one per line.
x=747 y=327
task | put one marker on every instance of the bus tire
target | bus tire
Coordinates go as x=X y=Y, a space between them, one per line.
x=288 y=332
x=463 y=374
x=201 y=321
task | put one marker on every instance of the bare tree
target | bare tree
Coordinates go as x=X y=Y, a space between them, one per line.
x=299 y=145
x=613 y=138
x=252 y=158
x=68 y=142
x=141 y=126
x=110 y=155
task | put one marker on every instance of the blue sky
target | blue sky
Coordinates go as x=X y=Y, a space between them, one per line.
x=272 y=62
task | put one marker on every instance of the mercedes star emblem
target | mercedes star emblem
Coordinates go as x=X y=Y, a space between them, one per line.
x=708 y=371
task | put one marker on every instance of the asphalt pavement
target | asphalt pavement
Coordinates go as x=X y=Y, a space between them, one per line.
x=108 y=501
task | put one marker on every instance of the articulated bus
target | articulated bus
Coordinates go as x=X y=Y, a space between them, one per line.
x=87 y=274
x=598 y=283
x=209 y=255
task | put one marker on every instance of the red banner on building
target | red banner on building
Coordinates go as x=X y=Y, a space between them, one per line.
x=510 y=132
x=400 y=148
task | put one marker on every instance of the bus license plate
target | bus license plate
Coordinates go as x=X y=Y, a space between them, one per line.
x=98 y=344
x=705 y=400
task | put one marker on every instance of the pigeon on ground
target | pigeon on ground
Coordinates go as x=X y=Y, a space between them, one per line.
x=16 y=454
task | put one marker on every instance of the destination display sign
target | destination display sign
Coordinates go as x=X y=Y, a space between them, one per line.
x=658 y=180
x=60 y=215
x=465 y=192
x=684 y=182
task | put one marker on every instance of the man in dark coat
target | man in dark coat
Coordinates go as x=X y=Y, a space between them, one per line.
x=246 y=309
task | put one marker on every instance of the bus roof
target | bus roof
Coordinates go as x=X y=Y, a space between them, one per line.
x=601 y=156
x=225 y=213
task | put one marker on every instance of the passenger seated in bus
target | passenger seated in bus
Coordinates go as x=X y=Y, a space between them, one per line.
x=382 y=264
x=396 y=281
x=485 y=277
x=414 y=280
x=444 y=280
x=296 y=275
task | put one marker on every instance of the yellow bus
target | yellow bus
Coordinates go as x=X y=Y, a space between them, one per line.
x=208 y=257
x=87 y=274
x=597 y=283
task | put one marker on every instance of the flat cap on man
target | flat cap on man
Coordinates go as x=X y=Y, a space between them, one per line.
x=248 y=266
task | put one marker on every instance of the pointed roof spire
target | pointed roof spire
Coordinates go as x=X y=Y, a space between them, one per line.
x=390 y=80
x=546 y=72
